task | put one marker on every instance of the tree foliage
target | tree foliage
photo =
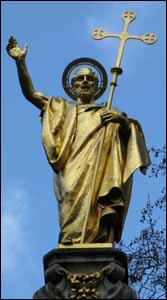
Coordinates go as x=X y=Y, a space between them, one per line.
x=147 y=251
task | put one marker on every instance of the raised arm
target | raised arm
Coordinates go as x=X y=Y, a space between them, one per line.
x=36 y=98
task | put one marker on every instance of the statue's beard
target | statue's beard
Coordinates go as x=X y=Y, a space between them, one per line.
x=86 y=93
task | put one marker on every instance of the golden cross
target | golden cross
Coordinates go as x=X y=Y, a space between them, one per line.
x=98 y=34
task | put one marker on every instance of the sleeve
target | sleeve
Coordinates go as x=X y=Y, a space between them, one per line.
x=137 y=154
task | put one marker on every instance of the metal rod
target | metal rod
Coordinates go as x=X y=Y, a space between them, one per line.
x=109 y=103
x=117 y=72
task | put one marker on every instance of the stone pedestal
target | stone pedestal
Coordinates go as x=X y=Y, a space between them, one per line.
x=91 y=273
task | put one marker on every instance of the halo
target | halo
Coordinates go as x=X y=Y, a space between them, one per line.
x=84 y=62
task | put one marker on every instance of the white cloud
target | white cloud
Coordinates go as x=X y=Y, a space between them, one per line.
x=19 y=260
x=14 y=217
x=14 y=228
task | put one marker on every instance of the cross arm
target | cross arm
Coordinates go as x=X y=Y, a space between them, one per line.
x=147 y=38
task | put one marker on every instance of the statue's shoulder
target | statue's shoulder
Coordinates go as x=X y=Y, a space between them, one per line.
x=62 y=100
x=58 y=99
x=136 y=123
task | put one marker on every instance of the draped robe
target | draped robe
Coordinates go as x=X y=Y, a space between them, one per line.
x=71 y=134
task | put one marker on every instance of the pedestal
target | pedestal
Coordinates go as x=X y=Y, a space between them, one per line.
x=91 y=273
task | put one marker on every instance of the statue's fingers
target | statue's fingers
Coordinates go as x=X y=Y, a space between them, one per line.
x=13 y=41
x=105 y=121
x=106 y=115
x=12 y=38
x=26 y=47
x=112 y=120
x=9 y=47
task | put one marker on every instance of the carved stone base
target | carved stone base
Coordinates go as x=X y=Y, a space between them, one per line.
x=85 y=274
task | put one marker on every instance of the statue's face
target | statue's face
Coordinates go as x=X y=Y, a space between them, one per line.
x=84 y=84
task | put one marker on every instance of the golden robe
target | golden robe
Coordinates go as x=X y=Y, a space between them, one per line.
x=71 y=135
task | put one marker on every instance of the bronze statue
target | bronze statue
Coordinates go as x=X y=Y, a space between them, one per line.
x=71 y=135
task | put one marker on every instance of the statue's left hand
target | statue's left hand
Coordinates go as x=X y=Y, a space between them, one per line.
x=107 y=117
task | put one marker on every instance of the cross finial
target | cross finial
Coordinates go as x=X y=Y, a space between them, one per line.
x=128 y=16
x=149 y=38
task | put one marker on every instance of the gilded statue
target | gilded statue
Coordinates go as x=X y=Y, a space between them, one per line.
x=71 y=134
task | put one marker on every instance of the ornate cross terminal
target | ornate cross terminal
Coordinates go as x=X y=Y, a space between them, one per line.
x=98 y=34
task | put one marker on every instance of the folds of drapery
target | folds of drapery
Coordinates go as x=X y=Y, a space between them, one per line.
x=71 y=135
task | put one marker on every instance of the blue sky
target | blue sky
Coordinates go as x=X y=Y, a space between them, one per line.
x=58 y=32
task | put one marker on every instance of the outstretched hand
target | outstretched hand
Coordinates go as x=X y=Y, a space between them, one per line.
x=14 y=50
